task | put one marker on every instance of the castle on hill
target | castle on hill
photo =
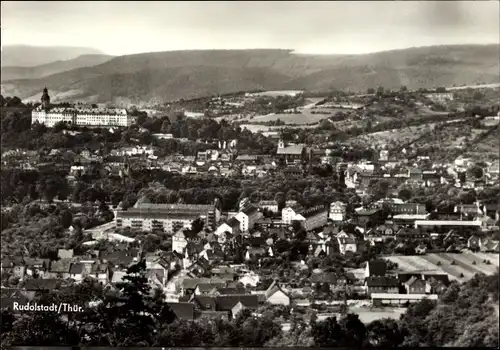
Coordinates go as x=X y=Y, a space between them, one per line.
x=79 y=115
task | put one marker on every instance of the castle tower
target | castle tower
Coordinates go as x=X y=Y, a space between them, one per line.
x=45 y=99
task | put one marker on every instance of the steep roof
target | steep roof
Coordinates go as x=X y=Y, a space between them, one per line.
x=183 y=311
x=273 y=288
x=291 y=150
x=377 y=267
x=380 y=281
x=227 y=302
x=60 y=266
x=76 y=268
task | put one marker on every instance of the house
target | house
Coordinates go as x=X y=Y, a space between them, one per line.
x=421 y=249
x=237 y=309
x=276 y=296
x=249 y=280
x=226 y=303
x=60 y=269
x=269 y=205
x=337 y=211
x=207 y=288
x=291 y=153
x=255 y=253
x=364 y=216
x=36 y=267
x=381 y=284
x=375 y=268
x=77 y=271
x=247 y=218
x=65 y=253
x=179 y=242
x=415 y=285
x=482 y=244
x=347 y=244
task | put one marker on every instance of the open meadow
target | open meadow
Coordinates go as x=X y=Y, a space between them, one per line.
x=370 y=314
x=466 y=264
x=263 y=128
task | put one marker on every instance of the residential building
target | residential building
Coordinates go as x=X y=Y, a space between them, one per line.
x=247 y=218
x=337 y=211
x=269 y=205
x=347 y=244
x=167 y=217
x=311 y=219
x=276 y=296
x=179 y=242
x=381 y=284
x=415 y=286
x=291 y=154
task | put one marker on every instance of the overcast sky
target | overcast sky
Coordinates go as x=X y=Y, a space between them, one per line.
x=310 y=27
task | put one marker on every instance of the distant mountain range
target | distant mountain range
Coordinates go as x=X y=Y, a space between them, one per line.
x=30 y=56
x=36 y=72
x=164 y=76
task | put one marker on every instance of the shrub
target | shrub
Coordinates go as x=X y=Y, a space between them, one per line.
x=461 y=275
x=453 y=262
x=474 y=262
x=438 y=263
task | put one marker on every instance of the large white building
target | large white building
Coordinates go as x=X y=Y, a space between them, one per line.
x=167 y=217
x=79 y=115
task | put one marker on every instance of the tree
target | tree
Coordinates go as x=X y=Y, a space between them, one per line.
x=384 y=333
x=66 y=218
x=405 y=194
x=328 y=333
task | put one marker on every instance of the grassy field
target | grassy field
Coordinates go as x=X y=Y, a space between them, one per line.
x=369 y=314
x=442 y=263
x=258 y=128
x=305 y=117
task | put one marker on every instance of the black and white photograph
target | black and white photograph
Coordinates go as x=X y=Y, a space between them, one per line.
x=250 y=174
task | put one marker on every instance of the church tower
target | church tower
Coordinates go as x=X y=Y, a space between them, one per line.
x=45 y=99
x=281 y=144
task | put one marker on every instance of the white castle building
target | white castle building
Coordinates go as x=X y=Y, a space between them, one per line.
x=79 y=115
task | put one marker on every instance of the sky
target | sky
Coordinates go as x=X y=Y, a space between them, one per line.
x=120 y=28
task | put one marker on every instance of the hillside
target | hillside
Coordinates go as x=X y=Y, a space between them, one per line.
x=30 y=56
x=36 y=72
x=163 y=76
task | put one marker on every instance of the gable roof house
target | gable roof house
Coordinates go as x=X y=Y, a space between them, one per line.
x=226 y=303
x=415 y=285
x=381 y=284
x=276 y=296
x=183 y=310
